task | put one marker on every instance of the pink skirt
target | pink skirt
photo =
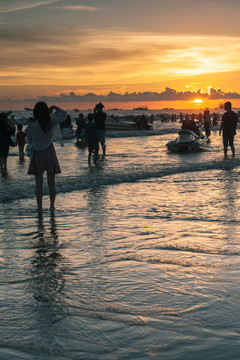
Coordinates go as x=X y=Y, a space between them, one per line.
x=44 y=160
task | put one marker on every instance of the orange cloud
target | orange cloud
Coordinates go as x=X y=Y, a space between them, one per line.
x=114 y=59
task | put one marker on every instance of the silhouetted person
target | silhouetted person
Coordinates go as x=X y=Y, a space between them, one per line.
x=40 y=135
x=20 y=141
x=92 y=139
x=100 y=117
x=228 y=127
x=189 y=124
x=80 y=132
x=207 y=122
x=7 y=128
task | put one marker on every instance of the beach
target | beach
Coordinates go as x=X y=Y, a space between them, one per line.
x=140 y=259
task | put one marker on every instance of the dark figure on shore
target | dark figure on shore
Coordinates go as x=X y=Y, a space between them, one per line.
x=142 y=122
x=20 y=141
x=189 y=124
x=40 y=135
x=215 y=119
x=92 y=139
x=100 y=117
x=200 y=118
x=228 y=128
x=7 y=129
x=80 y=132
x=151 y=119
x=207 y=122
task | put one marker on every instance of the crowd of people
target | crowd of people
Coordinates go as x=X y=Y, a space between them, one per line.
x=40 y=135
x=197 y=117
x=92 y=133
x=228 y=125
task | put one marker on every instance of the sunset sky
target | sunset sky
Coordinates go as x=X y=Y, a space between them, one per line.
x=167 y=52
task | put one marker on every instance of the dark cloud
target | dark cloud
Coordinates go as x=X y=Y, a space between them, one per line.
x=167 y=95
x=59 y=46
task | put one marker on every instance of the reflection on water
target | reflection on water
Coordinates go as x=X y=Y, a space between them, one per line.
x=97 y=209
x=48 y=269
x=230 y=210
x=140 y=260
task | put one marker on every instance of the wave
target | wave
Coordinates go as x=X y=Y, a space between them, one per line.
x=139 y=133
x=12 y=190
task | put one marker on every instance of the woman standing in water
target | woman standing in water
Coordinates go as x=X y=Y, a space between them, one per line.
x=40 y=135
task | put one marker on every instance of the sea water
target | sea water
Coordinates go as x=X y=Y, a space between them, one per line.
x=139 y=261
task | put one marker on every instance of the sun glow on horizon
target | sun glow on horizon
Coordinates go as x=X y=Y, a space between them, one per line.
x=198 y=101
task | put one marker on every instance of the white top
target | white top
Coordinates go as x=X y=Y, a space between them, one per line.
x=38 y=138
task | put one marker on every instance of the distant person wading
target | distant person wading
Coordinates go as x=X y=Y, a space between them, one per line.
x=228 y=128
x=100 y=117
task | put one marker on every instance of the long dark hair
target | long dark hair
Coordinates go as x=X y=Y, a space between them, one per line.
x=41 y=113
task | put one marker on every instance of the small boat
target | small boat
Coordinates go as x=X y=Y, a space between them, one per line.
x=141 y=108
x=113 y=124
x=188 y=141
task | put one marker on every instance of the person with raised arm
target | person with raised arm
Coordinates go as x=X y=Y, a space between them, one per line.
x=40 y=135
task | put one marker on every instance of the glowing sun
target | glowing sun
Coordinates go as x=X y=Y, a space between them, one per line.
x=198 y=101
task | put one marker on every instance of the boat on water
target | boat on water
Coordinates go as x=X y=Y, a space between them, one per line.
x=140 y=122
x=141 y=108
x=113 y=124
x=188 y=141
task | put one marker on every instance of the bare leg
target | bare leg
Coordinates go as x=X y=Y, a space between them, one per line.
x=39 y=190
x=233 y=150
x=2 y=164
x=5 y=165
x=52 y=190
x=225 y=150
x=95 y=156
x=104 y=149
x=21 y=152
x=89 y=158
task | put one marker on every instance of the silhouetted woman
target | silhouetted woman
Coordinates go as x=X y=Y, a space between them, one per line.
x=40 y=135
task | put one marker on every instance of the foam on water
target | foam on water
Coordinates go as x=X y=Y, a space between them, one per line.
x=21 y=185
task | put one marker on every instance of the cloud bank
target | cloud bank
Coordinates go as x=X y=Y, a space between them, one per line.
x=167 y=95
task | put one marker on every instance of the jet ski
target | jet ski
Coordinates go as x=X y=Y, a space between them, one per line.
x=188 y=141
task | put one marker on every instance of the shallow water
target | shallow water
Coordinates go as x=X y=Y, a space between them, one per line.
x=139 y=261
